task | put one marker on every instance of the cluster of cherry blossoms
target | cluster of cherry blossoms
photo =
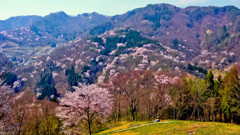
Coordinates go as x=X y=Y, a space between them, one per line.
x=5 y=94
x=163 y=79
x=85 y=102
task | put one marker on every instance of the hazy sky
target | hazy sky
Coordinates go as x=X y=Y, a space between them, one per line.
x=107 y=7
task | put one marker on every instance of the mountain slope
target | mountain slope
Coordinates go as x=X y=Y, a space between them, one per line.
x=18 y=22
x=201 y=33
x=157 y=37
x=41 y=36
x=100 y=58
x=208 y=36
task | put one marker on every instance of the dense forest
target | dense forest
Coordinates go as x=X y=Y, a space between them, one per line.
x=140 y=95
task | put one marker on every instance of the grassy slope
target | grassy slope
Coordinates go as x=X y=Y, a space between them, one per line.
x=175 y=128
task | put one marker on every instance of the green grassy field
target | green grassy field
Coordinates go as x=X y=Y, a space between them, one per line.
x=172 y=127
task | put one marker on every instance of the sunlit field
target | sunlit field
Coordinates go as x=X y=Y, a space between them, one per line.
x=173 y=127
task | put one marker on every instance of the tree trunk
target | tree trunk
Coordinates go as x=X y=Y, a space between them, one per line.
x=89 y=128
x=89 y=120
x=193 y=113
x=19 y=130
x=213 y=117
x=119 y=111
x=148 y=111
x=223 y=117
x=198 y=116
x=209 y=115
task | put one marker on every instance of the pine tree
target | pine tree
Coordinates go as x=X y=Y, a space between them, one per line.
x=210 y=82
x=217 y=86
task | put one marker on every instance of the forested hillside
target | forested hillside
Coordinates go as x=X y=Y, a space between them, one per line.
x=83 y=74
x=27 y=43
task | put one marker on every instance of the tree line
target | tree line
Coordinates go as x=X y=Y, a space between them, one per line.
x=139 y=95
x=145 y=95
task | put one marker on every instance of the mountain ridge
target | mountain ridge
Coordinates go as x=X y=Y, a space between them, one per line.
x=50 y=31
x=18 y=22
x=207 y=36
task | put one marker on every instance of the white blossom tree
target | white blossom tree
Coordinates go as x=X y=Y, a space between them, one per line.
x=5 y=108
x=85 y=104
x=5 y=94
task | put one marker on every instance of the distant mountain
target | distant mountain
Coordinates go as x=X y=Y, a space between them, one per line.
x=27 y=43
x=18 y=22
x=159 y=37
x=60 y=24
x=208 y=36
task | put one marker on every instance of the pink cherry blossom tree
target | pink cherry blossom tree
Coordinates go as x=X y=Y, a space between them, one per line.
x=85 y=104
x=5 y=94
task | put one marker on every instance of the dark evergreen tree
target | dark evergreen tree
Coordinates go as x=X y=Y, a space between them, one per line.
x=46 y=86
x=217 y=85
x=210 y=82
x=72 y=77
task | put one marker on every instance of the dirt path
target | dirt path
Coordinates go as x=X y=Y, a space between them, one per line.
x=121 y=130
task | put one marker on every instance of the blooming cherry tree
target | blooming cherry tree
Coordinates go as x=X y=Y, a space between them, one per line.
x=164 y=79
x=86 y=103
x=5 y=94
